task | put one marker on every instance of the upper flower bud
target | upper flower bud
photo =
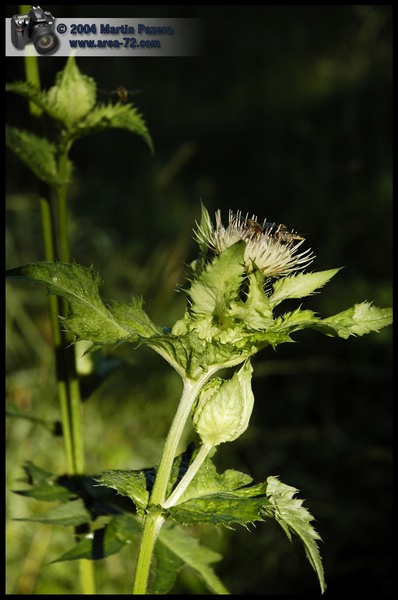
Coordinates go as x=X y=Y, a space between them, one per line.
x=73 y=95
x=271 y=248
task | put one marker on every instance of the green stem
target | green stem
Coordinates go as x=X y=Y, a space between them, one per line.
x=56 y=308
x=87 y=576
x=76 y=418
x=67 y=381
x=153 y=524
x=154 y=520
x=62 y=205
x=74 y=398
x=190 y=391
x=68 y=357
x=31 y=70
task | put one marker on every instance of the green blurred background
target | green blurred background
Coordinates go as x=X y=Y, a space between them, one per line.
x=287 y=115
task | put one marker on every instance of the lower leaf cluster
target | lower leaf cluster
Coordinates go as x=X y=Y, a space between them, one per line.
x=112 y=506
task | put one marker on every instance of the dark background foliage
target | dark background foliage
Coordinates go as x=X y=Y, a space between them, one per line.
x=287 y=115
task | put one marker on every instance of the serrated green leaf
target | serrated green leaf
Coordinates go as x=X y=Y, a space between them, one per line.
x=176 y=548
x=209 y=481
x=44 y=485
x=233 y=353
x=32 y=93
x=132 y=317
x=218 y=285
x=128 y=483
x=279 y=332
x=294 y=518
x=188 y=354
x=295 y=320
x=113 y=116
x=36 y=475
x=98 y=499
x=105 y=541
x=358 y=320
x=226 y=509
x=69 y=513
x=88 y=318
x=48 y=493
x=192 y=356
x=255 y=311
x=299 y=285
x=220 y=499
x=232 y=499
x=38 y=154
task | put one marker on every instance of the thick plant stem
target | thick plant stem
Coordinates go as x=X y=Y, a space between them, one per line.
x=190 y=391
x=154 y=519
x=87 y=576
x=153 y=524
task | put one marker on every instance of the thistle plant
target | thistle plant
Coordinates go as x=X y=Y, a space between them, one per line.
x=244 y=270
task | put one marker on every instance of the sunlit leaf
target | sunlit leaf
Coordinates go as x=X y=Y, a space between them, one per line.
x=88 y=318
x=226 y=509
x=294 y=518
x=360 y=319
x=219 y=284
x=128 y=483
x=113 y=116
x=255 y=310
x=209 y=481
x=38 y=154
x=32 y=93
x=299 y=285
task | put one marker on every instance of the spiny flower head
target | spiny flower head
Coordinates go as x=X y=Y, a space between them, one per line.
x=271 y=248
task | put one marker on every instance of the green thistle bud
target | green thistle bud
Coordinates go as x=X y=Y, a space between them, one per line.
x=223 y=408
x=73 y=95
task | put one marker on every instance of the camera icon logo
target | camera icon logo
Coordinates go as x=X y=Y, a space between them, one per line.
x=37 y=27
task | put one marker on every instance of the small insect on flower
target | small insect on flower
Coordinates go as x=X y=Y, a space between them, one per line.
x=280 y=232
x=254 y=229
x=283 y=235
x=270 y=248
